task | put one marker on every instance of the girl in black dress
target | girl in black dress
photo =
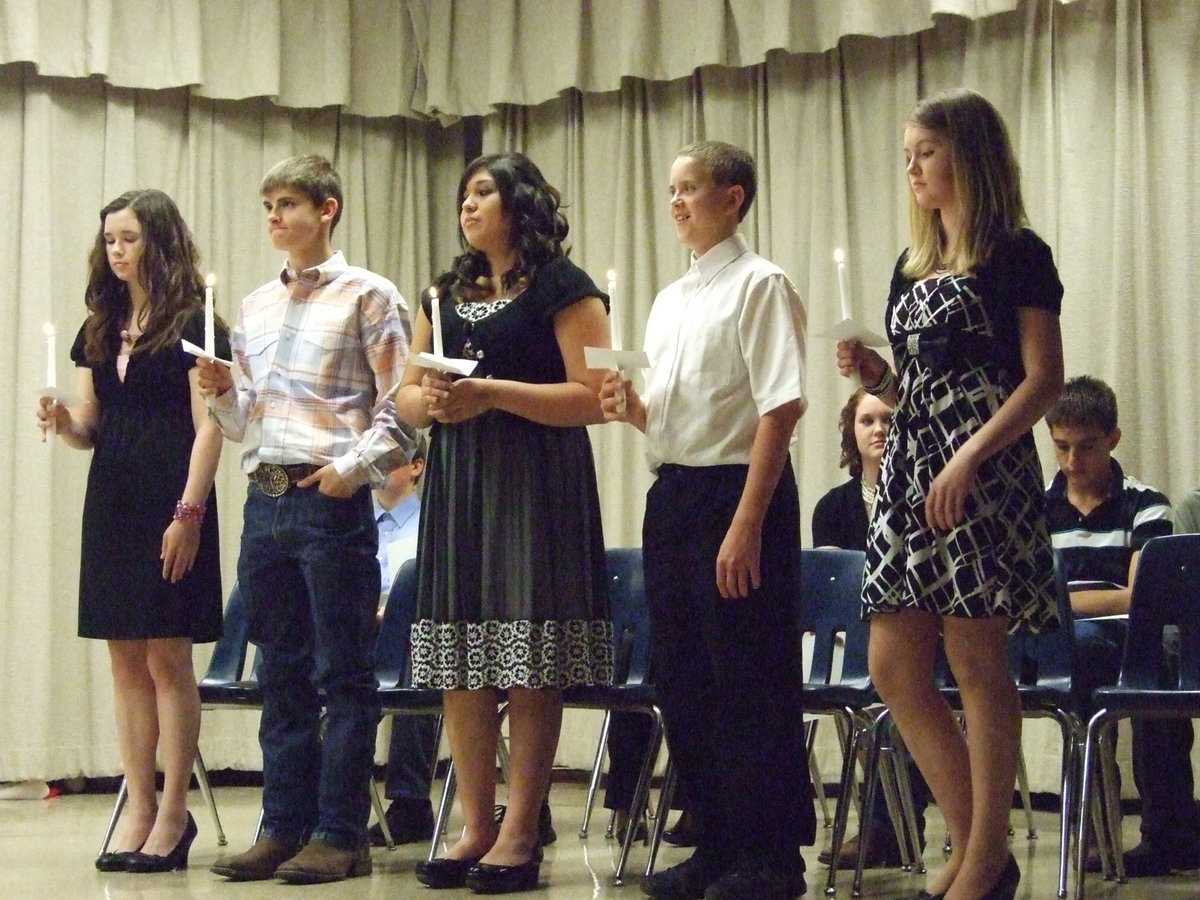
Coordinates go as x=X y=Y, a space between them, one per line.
x=958 y=547
x=511 y=579
x=149 y=581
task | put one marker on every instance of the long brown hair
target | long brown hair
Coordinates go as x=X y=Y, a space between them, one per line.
x=169 y=269
x=987 y=183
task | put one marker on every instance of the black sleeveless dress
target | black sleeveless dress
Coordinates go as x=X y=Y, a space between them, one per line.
x=139 y=468
x=511 y=585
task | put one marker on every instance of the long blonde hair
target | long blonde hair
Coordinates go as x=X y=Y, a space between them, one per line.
x=987 y=183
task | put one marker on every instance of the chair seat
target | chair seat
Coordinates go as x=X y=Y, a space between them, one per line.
x=1141 y=701
x=615 y=697
x=418 y=701
x=239 y=693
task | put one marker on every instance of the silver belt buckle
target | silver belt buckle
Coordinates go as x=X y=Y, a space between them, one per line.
x=271 y=479
x=912 y=343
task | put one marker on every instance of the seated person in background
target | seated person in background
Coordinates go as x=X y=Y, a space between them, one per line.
x=1099 y=519
x=840 y=520
x=413 y=748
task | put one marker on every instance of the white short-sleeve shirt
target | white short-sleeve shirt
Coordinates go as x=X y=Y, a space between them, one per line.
x=726 y=344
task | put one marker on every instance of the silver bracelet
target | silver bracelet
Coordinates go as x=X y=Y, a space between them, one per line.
x=883 y=385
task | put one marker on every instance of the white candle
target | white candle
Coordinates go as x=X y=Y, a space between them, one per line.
x=614 y=325
x=210 y=333
x=435 y=312
x=51 y=380
x=843 y=287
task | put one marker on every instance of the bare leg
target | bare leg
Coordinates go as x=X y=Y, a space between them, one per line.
x=977 y=652
x=901 y=655
x=137 y=736
x=170 y=665
x=534 y=720
x=473 y=728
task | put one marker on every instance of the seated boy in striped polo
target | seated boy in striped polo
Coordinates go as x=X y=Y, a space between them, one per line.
x=1099 y=519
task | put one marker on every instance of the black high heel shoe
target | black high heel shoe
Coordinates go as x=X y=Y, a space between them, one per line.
x=488 y=879
x=142 y=863
x=444 y=872
x=485 y=878
x=115 y=862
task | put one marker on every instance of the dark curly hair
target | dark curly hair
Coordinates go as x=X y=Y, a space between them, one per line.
x=536 y=226
x=168 y=269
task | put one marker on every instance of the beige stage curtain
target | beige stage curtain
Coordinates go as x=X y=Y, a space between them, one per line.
x=1107 y=139
x=449 y=58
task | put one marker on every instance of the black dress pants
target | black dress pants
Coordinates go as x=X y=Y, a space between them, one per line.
x=728 y=671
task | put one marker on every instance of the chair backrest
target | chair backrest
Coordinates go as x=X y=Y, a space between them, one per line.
x=630 y=615
x=228 y=659
x=829 y=607
x=1162 y=649
x=392 y=642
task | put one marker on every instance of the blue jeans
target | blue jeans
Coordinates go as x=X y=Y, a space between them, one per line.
x=310 y=577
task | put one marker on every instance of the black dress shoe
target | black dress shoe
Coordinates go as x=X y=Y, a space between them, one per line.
x=177 y=859
x=686 y=881
x=484 y=878
x=1148 y=861
x=683 y=834
x=408 y=823
x=444 y=872
x=114 y=862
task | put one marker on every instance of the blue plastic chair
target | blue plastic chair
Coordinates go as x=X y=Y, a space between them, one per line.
x=1160 y=671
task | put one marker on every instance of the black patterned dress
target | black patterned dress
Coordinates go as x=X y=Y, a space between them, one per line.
x=998 y=560
x=511 y=585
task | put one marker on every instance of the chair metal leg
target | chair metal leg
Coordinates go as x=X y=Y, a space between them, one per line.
x=594 y=781
x=206 y=792
x=906 y=823
x=849 y=764
x=122 y=796
x=381 y=816
x=1112 y=797
x=1023 y=786
x=641 y=794
x=665 y=796
x=814 y=771
x=443 y=814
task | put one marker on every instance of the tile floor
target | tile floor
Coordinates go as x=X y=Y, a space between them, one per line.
x=47 y=848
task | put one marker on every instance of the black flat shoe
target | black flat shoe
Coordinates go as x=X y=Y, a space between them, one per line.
x=443 y=872
x=485 y=878
x=115 y=862
x=142 y=863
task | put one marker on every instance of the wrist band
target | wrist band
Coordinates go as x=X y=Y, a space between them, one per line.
x=189 y=512
x=883 y=385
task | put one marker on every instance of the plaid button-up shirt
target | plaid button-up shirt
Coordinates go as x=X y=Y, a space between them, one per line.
x=315 y=354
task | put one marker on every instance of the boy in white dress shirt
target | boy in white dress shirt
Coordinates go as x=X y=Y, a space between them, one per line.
x=722 y=398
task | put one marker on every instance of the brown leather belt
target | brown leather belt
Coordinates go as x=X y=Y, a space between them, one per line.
x=274 y=480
